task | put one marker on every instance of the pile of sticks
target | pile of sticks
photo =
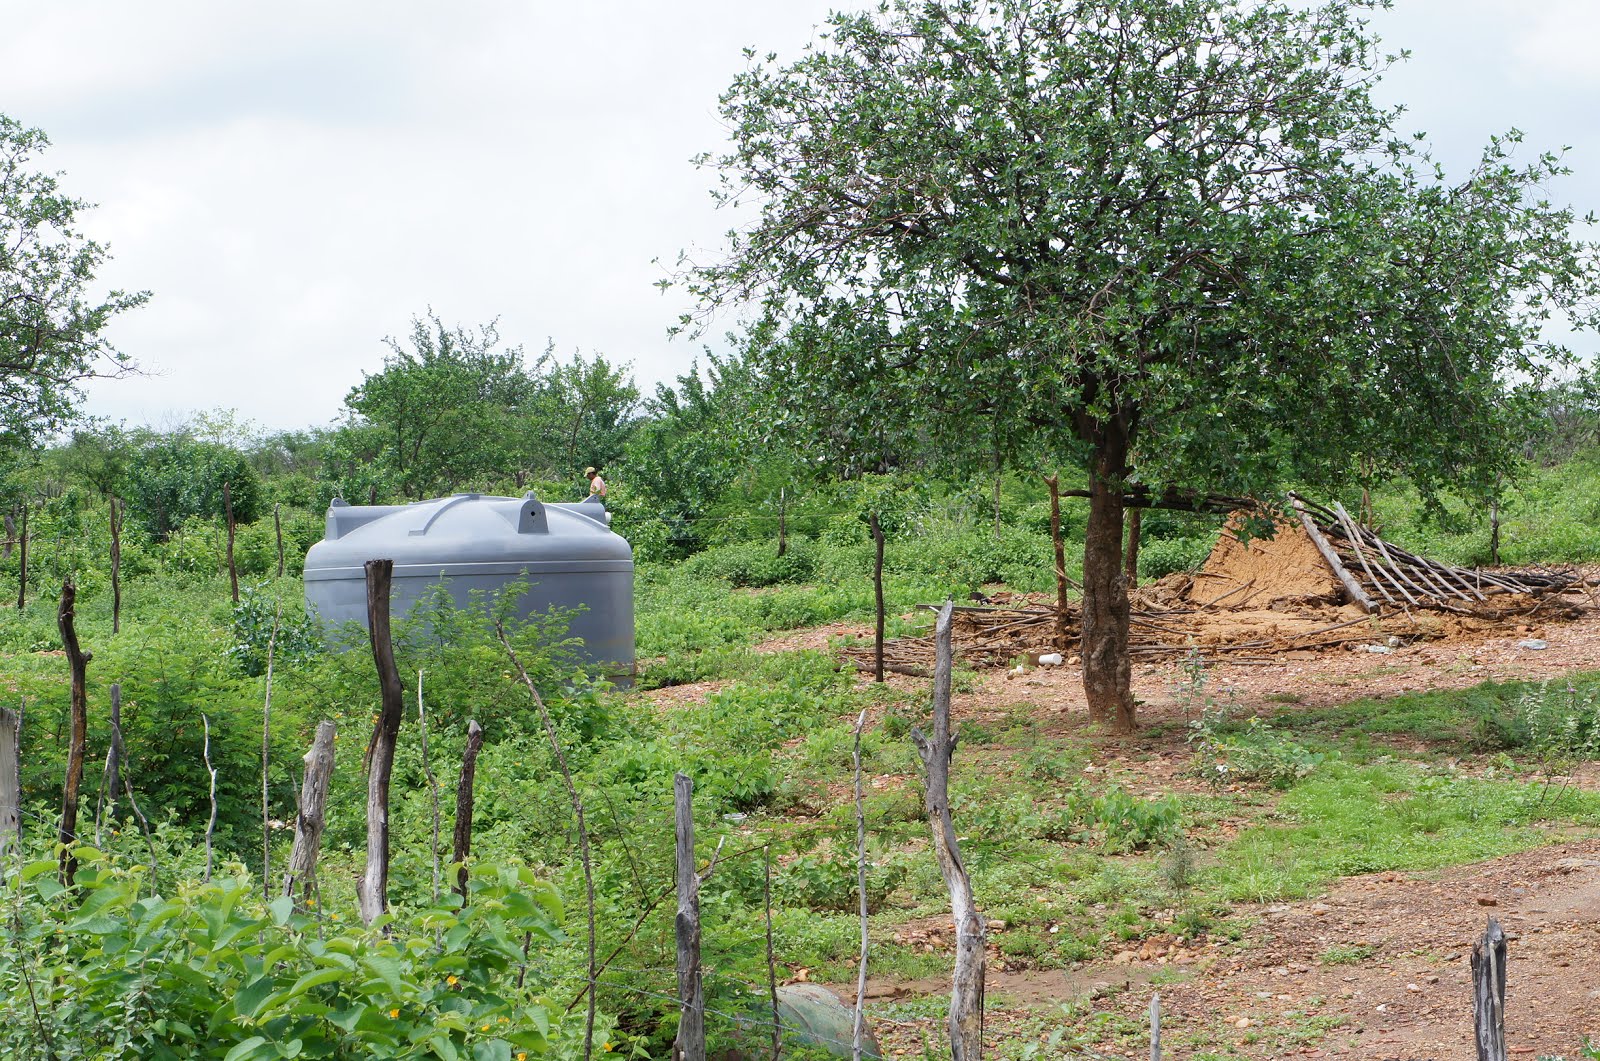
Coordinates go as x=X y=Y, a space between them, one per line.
x=1371 y=568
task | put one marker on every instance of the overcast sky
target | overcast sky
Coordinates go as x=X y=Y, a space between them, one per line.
x=296 y=181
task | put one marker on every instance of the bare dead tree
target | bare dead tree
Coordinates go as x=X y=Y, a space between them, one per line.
x=301 y=879
x=583 y=829
x=78 y=742
x=462 y=847
x=373 y=889
x=433 y=785
x=966 y=994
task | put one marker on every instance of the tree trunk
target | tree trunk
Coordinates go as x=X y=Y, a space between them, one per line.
x=783 y=521
x=374 y=886
x=309 y=821
x=1130 y=557
x=78 y=746
x=1107 y=668
x=1494 y=532
x=464 y=800
x=11 y=534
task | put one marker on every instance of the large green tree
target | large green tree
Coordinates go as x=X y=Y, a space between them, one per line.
x=1173 y=228
x=51 y=319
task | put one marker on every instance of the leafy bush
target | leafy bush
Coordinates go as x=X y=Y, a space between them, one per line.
x=1161 y=557
x=213 y=971
x=1255 y=754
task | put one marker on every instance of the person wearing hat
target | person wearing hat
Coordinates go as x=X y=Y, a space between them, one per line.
x=597 y=485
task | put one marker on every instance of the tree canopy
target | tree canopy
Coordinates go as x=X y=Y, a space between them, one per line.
x=1175 y=240
x=51 y=320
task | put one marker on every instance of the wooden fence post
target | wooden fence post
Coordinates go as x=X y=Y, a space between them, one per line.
x=308 y=822
x=463 y=832
x=1060 y=638
x=373 y=889
x=78 y=746
x=233 y=569
x=966 y=993
x=117 y=513
x=1155 y=1020
x=10 y=780
x=1489 y=993
x=858 y=1034
x=690 y=1044
x=877 y=597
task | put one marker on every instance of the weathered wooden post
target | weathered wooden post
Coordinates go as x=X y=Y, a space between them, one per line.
x=117 y=512
x=1489 y=993
x=277 y=528
x=858 y=1035
x=10 y=780
x=227 y=511
x=1155 y=1020
x=966 y=993
x=78 y=745
x=308 y=823
x=690 y=1044
x=877 y=597
x=1060 y=638
x=373 y=889
x=463 y=832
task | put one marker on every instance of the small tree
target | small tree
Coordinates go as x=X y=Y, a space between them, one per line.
x=1090 y=225
x=50 y=319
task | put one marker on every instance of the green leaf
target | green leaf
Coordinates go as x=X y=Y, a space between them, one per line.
x=245 y=1049
x=247 y=1003
x=491 y=1050
x=281 y=909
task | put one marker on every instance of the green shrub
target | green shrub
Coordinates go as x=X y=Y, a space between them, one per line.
x=106 y=970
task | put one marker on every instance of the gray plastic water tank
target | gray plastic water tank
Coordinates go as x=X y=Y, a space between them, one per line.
x=569 y=555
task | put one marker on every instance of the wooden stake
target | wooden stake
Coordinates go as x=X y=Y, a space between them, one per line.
x=433 y=786
x=116 y=566
x=966 y=993
x=266 y=761
x=10 y=781
x=1489 y=993
x=233 y=569
x=858 y=1036
x=77 y=747
x=211 y=823
x=1062 y=638
x=373 y=889
x=583 y=830
x=106 y=805
x=463 y=832
x=1155 y=1027
x=690 y=1045
x=877 y=597
x=772 y=965
x=277 y=527
x=308 y=822
x=22 y=563
x=783 y=521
